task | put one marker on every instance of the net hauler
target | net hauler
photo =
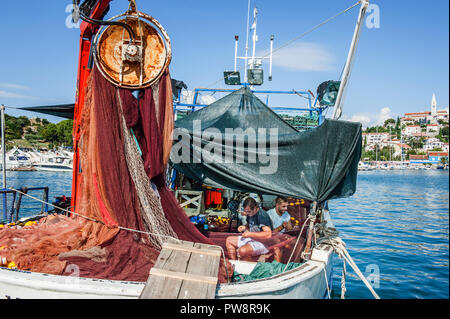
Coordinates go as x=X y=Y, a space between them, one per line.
x=133 y=51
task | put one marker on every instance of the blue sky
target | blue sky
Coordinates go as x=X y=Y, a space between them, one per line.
x=398 y=66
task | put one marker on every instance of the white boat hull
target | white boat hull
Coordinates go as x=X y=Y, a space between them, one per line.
x=53 y=169
x=305 y=282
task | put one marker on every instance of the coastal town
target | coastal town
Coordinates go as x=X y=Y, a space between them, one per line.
x=416 y=138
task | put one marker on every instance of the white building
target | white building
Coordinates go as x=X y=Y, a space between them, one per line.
x=421 y=117
x=412 y=129
x=445 y=147
x=442 y=115
x=433 y=143
x=432 y=129
x=398 y=147
x=372 y=139
x=433 y=106
x=406 y=121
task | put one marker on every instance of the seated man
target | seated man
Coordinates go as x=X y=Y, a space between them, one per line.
x=279 y=215
x=258 y=226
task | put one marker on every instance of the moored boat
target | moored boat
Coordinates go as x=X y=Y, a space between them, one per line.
x=145 y=213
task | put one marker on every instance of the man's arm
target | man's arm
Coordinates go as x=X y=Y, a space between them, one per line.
x=279 y=228
x=288 y=225
x=266 y=233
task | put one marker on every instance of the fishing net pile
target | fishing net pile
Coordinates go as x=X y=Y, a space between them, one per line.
x=124 y=211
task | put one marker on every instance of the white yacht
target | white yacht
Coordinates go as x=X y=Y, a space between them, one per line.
x=60 y=161
x=16 y=159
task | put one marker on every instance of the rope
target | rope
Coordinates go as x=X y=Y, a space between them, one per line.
x=326 y=280
x=296 y=243
x=339 y=247
x=344 y=273
x=120 y=227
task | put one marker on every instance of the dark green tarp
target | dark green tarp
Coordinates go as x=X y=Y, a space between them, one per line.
x=265 y=270
x=316 y=165
x=62 y=110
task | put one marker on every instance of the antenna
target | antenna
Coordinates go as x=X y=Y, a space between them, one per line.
x=254 y=75
x=272 y=37
x=236 y=37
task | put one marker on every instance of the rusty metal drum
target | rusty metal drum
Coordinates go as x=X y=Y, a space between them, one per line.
x=133 y=65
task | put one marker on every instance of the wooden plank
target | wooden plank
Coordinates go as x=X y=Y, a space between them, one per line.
x=212 y=251
x=195 y=201
x=167 y=288
x=184 y=270
x=199 y=264
x=183 y=276
x=188 y=192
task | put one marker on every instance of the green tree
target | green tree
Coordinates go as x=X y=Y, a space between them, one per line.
x=389 y=121
x=64 y=130
x=50 y=133
x=397 y=124
x=443 y=134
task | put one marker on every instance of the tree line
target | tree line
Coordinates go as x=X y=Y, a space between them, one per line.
x=37 y=131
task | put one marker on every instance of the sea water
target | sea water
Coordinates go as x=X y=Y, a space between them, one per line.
x=396 y=228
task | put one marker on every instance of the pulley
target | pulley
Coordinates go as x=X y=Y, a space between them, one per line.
x=134 y=56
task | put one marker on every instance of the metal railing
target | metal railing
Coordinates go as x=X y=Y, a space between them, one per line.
x=14 y=208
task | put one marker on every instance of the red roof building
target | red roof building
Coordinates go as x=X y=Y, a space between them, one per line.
x=418 y=157
x=437 y=153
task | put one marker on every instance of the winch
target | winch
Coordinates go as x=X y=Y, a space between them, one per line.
x=131 y=50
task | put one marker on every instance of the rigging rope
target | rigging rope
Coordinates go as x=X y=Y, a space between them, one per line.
x=339 y=247
x=344 y=273
x=296 y=243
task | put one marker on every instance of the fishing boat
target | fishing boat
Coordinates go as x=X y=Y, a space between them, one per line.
x=121 y=224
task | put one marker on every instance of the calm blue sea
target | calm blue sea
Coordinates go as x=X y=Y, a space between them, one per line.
x=396 y=228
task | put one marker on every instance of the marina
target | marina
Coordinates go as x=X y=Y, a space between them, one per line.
x=37 y=160
x=216 y=193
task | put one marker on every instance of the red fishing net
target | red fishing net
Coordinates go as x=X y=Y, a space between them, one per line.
x=107 y=238
x=110 y=243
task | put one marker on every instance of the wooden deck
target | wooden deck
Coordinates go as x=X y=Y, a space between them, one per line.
x=184 y=271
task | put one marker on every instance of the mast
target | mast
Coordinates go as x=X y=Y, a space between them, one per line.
x=2 y=108
x=350 y=58
x=376 y=150
x=255 y=37
x=390 y=144
x=401 y=144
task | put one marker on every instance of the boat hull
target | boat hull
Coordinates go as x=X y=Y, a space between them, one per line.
x=53 y=168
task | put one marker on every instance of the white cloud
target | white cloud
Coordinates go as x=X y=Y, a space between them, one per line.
x=304 y=56
x=384 y=114
x=14 y=86
x=188 y=97
x=369 y=120
x=12 y=95
x=363 y=119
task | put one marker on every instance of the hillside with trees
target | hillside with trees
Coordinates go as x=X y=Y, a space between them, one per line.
x=36 y=133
